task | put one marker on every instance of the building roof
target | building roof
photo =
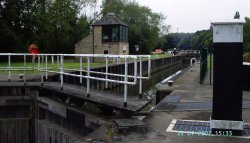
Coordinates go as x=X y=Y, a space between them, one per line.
x=228 y=21
x=110 y=19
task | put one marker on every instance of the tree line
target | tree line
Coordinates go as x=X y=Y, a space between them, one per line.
x=56 y=25
x=201 y=39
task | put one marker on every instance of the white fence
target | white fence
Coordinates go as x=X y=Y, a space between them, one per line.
x=43 y=68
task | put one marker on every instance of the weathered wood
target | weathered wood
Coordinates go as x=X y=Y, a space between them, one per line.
x=14 y=131
x=3 y=131
x=52 y=133
x=114 y=101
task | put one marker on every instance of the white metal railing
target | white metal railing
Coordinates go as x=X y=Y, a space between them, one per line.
x=190 y=51
x=42 y=67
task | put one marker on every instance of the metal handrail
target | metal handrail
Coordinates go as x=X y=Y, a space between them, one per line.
x=43 y=68
x=190 y=51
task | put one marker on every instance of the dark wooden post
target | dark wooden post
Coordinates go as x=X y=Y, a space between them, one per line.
x=226 y=118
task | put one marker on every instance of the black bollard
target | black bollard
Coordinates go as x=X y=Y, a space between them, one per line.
x=226 y=117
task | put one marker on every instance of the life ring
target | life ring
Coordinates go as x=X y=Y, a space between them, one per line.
x=33 y=49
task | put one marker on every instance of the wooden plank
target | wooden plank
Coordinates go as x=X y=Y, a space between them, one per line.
x=25 y=131
x=103 y=98
x=54 y=107
x=11 y=131
x=3 y=131
x=18 y=125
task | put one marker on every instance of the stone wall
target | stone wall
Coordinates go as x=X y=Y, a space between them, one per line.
x=85 y=46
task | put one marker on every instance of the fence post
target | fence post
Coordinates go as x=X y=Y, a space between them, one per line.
x=125 y=84
x=41 y=69
x=88 y=75
x=106 y=75
x=149 y=66
x=9 y=68
x=140 y=80
x=61 y=72
x=52 y=60
x=33 y=62
x=24 y=77
x=46 y=67
x=81 y=69
x=57 y=60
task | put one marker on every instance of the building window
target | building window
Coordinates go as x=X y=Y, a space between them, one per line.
x=114 y=33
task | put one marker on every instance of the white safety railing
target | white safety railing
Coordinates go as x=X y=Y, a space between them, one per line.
x=61 y=70
x=190 y=51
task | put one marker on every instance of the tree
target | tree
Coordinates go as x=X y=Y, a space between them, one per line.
x=246 y=43
x=168 y=42
x=145 y=26
x=55 y=26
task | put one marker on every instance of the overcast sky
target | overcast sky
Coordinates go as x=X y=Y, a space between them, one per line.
x=193 y=15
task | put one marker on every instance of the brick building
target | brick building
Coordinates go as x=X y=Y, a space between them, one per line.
x=109 y=36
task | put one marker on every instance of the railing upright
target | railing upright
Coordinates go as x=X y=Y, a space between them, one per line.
x=52 y=60
x=9 y=72
x=140 y=79
x=46 y=67
x=41 y=68
x=125 y=84
x=24 y=76
x=33 y=62
x=81 y=70
x=149 y=66
x=106 y=73
x=38 y=63
x=61 y=72
x=88 y=75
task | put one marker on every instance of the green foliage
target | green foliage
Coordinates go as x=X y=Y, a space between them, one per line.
x=168 y=42
x=145 y=26
x=201 y=39
x=55 y=26
x=197 y=40
x=246 y=43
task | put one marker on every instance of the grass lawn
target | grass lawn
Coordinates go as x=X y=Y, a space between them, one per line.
x=159 y=56
x=68 y=64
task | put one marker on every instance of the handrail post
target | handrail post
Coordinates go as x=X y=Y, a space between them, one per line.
x=140 y=80
x=88 y=75
x=61 y=72
x=106 y=75
x=149 y=66
x=41 y=69
x=9 y=68
x=81 y=69
x=46 y=67
x=135 y=70
x=52 y=59
x=38 y=62
x=57 y=60
x=24 y=77
x=125 y=84
x=33 y=62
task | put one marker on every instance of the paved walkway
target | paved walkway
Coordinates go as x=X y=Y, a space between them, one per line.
x=188 y=90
